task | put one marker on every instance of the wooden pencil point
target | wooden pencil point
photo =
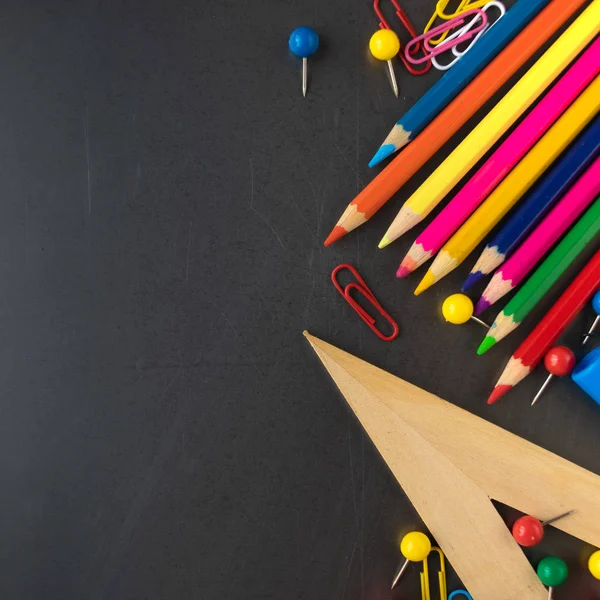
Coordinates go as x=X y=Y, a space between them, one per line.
x=427 y=281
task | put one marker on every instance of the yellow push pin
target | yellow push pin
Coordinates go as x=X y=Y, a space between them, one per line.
x=415 y=547
x=384 y=45
x=594 y=564
x=458 y=309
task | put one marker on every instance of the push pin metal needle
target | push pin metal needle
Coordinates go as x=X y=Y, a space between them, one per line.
x=458 y=309
x=384 y=45
x=415 y=547
x=529 y=531
x=596 y=307
x=559 y=361
x=304 y=42
x=552 y=572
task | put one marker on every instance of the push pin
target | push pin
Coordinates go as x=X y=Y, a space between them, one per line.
x=458 y=309
x=415 y=547
x=552 y=572
x=529 y=531
x=384 y=45
x=304 y=42
x=559 y=361
x=596 y=307
x=594 y=564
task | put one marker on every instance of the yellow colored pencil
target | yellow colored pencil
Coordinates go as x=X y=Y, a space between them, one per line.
x=496 y=123
x=515 y=185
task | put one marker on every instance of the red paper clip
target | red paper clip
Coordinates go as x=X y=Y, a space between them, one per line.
x=383 y=24
x=362 y=288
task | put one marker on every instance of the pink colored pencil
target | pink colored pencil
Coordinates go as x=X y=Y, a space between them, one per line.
x=560 y=218
x=514 y=148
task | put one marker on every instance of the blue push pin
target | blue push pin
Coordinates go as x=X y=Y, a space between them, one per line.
x=304 y=42
x=596 y=307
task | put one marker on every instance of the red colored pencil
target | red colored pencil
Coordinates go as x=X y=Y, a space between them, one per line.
x=548 y=330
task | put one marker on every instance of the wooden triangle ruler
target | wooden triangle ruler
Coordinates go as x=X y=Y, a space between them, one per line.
x=450 y=463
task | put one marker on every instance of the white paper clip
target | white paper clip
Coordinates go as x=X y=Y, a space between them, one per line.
x=458 y=53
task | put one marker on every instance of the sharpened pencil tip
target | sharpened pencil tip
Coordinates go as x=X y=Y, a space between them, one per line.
x=381 y=154
x=426 y=283
x=337 y=233
x=488 y=342
x=403 y=272
x=384 y=242
x=471 y=280
x=481 y=306
x=498 y=392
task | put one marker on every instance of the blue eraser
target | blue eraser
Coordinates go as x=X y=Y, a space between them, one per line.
x=587 y=374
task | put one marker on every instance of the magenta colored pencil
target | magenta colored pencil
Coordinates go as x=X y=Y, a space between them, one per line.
x=514 y=148
x=562 y=216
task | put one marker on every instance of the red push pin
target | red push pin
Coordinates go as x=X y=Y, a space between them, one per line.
x=529 y=531
x=559 y=361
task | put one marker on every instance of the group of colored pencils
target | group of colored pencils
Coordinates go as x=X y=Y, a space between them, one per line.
x=555 y=150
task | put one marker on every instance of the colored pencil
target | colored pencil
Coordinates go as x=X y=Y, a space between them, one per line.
x=442 y=92
x=514 y=186
x=454 y=116
x=503 y=159
x=545 y=235
x=539 y=202
x=548 y=273
x=548 y=330
x=499 y=120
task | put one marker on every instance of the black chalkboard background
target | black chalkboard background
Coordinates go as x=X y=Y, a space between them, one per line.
x=166 y=432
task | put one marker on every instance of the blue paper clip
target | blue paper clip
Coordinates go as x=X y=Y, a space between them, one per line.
x=425 y=586
x=460 y=593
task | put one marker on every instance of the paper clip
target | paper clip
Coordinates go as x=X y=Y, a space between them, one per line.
x=440 y=6
x=383 y=24
x=460 y=593
x=431 y=51
x=361 y=288
x=425 y=587
x=458 y=53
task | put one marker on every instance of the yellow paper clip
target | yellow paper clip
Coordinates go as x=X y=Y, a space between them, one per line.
x=441 y=6
x=425 y=587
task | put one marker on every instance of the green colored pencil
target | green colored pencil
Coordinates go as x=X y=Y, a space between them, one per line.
x=544 y=278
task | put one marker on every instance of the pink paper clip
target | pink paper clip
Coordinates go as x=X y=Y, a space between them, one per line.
x=458 y=53
x=361 y=288
x=431 y=51
x=383 y=24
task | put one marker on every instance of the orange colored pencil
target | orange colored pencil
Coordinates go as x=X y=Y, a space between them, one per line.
x=454 y=116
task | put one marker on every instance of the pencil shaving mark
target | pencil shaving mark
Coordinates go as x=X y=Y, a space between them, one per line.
x=175 y=236
x=352 y=168
x=291 y=196
x=237 y=335
x=138 y=178
x=350 y=565
x=86 y=134
x=187 y=260
x=308 y=301
x=26 y=230
x=256 y=212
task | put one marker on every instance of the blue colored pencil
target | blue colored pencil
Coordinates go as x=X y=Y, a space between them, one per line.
x=556 y=183
x=455 y=80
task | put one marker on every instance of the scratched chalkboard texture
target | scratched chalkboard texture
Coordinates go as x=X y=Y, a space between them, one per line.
x=165 y=430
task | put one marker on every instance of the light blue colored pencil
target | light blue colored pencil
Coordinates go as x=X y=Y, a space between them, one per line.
x=457 y=78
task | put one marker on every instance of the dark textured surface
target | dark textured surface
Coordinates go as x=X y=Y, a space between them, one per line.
x=166 y=432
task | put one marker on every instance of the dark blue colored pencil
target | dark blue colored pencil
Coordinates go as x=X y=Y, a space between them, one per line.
x=556 y=183
x=455 y=80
